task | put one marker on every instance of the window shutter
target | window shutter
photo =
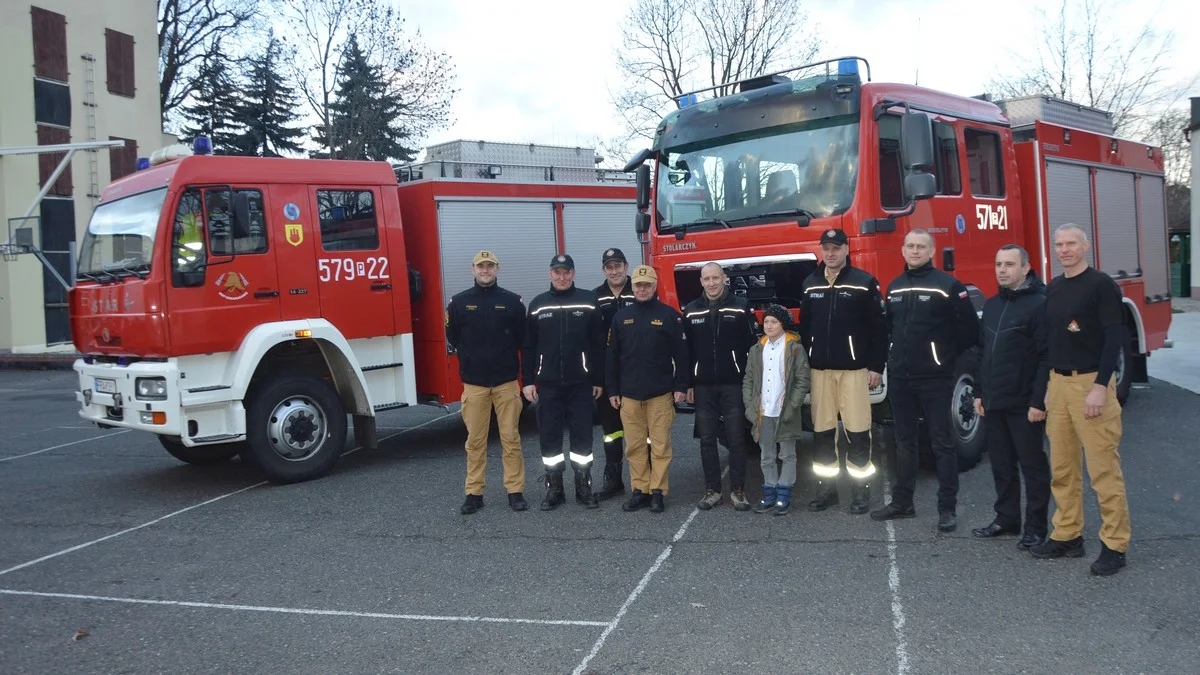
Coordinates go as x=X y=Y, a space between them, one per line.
x=49 y=44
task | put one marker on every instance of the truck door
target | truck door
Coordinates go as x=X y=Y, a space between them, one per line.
x=223 y=281
x=354 y=273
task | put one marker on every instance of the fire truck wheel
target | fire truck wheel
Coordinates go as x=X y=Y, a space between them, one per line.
x=1124 y=373
x=966 y=425
x=201 y=455
x=295 y=428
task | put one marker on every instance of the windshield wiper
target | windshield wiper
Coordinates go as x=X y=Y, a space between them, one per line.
x=135 y=266
x=681 y=229
x=804 y=214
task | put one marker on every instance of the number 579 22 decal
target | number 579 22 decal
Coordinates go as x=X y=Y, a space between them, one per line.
x=349 y=269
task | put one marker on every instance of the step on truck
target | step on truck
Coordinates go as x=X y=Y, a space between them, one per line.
x=750 y=173
x=260 y=306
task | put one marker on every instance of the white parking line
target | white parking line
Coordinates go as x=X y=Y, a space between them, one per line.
x=175 y=513
x=306 y=611
x=894 y=586
x=38 y=452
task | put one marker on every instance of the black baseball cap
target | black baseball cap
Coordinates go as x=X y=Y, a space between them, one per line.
x=834 y=236
x=613 y=254
x=562 y=262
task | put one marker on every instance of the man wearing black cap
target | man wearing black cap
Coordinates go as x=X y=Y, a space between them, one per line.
x=843 y=327
x=616 y=292
x=562 y=374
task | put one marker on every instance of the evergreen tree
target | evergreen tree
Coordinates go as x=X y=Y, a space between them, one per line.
x=365 y=117
x=213 y=110
x=268 y=107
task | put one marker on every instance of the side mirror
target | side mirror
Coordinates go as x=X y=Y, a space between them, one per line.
x=916 y=141
x=643 y=186
x=641 y=222
x=918 y=186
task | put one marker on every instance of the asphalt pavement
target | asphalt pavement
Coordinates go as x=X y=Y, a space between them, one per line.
x=114 y=557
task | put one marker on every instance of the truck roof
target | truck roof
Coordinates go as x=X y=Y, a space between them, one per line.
x=209 y=169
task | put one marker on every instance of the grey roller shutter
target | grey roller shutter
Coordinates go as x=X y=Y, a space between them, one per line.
x=1116 y=222
x=591 y=228
x=520 y=234
x=1152 y=216
x=1069 y=200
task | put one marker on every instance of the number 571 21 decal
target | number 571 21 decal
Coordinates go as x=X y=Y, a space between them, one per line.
x=992 y=217
x=349 y=269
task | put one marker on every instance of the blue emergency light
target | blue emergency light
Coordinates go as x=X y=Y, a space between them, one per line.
x=202 y=146
x=688 y=99
x=143 y=163
x=848 y=67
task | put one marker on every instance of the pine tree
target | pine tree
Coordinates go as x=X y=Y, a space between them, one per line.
x=268 y=108
x=212 y=112
x=364 y=115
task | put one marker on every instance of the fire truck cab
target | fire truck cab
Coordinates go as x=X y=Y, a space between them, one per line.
x=752 y=177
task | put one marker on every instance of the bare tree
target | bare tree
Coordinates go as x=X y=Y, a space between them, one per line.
x=190 y=33
x=422 y=79
x=671 y=46
x=1087 y=56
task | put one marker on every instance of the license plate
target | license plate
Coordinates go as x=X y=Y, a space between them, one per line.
x=106 y=386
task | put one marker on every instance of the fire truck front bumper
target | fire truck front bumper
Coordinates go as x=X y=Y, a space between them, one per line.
x=143 y=395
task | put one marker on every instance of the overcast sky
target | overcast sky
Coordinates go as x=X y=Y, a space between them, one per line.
x=542 y=71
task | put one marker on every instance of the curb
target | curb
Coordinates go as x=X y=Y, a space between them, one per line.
x=37 y=361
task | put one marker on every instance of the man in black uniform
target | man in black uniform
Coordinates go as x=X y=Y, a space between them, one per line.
x=1010 y=390
x=843 y=327
x=616 y=292
x=931 y=322
x=647 y=359
x=1086 y=333
x=559 y=362
x=485 y=325
x=720 y=329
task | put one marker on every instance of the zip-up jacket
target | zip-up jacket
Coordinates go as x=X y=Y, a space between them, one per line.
x=797 y=382
x=1014 y=368
x=609 y=304
x=720 y=333
x=843 y=325
x=486 y=327
x=647 y=352
x=931 y=321
x=563 y=339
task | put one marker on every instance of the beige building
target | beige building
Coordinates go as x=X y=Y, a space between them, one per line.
x=73 y=71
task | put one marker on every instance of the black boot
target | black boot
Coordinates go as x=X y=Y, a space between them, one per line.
x=826 y=495
x=583 y=488
x=554 y=492
x=656 y=501
x=861 y=502
x=612 y=485
x=638 y=500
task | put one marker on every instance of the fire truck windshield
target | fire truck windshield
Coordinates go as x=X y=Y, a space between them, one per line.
x=120 y=236
x=809 y=169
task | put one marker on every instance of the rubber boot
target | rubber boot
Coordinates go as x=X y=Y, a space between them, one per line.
x=826 y=495
x=583 y=488
x=554 y=492
x=612 y=486
x=768 y=500
x=783 y=499
x=862 y=498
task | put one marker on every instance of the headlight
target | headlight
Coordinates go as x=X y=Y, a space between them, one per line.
x=151 y=388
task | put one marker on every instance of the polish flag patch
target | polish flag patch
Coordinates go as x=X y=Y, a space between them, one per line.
x=962 y=294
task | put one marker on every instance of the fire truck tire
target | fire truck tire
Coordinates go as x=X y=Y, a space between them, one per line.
x=1124 y=373
x=201 y=455
x=295 y=428
x=966 y=426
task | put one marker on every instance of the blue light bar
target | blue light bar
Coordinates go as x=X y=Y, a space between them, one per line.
x=202 y=146
x=848 y=67
x=688 y=99
x=143 y=163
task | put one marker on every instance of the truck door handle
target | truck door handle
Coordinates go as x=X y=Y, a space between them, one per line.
x=381 y=287
x=266 y=294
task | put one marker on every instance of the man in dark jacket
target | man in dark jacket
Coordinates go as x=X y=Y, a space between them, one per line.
x=616 y=292
x=931 y=322
x=647 y=360
x=559 y=362
x=485 y=325
x=720 y=329
x=843 y=327
x=1010 y=389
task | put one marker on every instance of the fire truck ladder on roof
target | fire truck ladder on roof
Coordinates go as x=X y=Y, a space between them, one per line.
x=23 y=242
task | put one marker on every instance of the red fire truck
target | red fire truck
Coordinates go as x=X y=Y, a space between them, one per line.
x=236 y=305
x=752 y=178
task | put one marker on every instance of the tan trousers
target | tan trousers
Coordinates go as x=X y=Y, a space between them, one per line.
x=1074 y=437
x=844 y=393
x=477 y=404
x=651 y=419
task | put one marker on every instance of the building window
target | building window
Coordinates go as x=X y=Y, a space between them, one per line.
x=49 y=44
x=348 y=220
x=48 y=161
x=984 y=163
x=122 y=161
x=119 y=50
